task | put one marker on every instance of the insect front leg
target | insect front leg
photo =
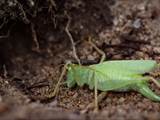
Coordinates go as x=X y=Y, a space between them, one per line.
x=56 y=89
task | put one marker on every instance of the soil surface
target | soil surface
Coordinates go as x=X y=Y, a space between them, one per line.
x=33 y=54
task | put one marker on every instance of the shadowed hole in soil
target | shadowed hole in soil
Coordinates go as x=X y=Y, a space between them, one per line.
x=19 y=47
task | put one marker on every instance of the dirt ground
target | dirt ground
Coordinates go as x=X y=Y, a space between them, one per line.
x=33 y=54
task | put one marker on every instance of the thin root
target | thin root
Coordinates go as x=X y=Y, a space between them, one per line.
x=22 y=14
x=34 y=36
x=5 y=36
x=4 y=22
x=97 y=49
x=53 y=4
x=5 y=73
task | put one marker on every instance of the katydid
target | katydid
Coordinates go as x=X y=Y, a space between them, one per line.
x=116 y=75
x=122 y=75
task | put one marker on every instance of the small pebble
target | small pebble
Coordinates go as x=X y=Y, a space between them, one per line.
x=141 y=7
x=156 y=50
x=90 y=57
x=140 y=54
x=137 y=23
x=108 y=100
x=122 y=99
x=53 y=103
x=117 y=57
x=75 y=95
x=81 y=106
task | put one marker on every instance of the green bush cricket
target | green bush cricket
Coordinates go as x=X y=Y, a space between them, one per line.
x=118 y=75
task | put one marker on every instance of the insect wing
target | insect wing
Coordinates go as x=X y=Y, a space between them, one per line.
x=132 y=66
x=114 y=80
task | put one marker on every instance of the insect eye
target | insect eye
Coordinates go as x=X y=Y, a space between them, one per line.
x=69 y=67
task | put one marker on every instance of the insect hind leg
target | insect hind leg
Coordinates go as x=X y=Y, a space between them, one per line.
x=155 y=82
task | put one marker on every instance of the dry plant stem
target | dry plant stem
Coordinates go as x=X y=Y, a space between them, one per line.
x=72 y=41
x=34 y=36
x=55 y=92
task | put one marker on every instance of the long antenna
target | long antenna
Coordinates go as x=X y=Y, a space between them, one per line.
x=71 y=39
